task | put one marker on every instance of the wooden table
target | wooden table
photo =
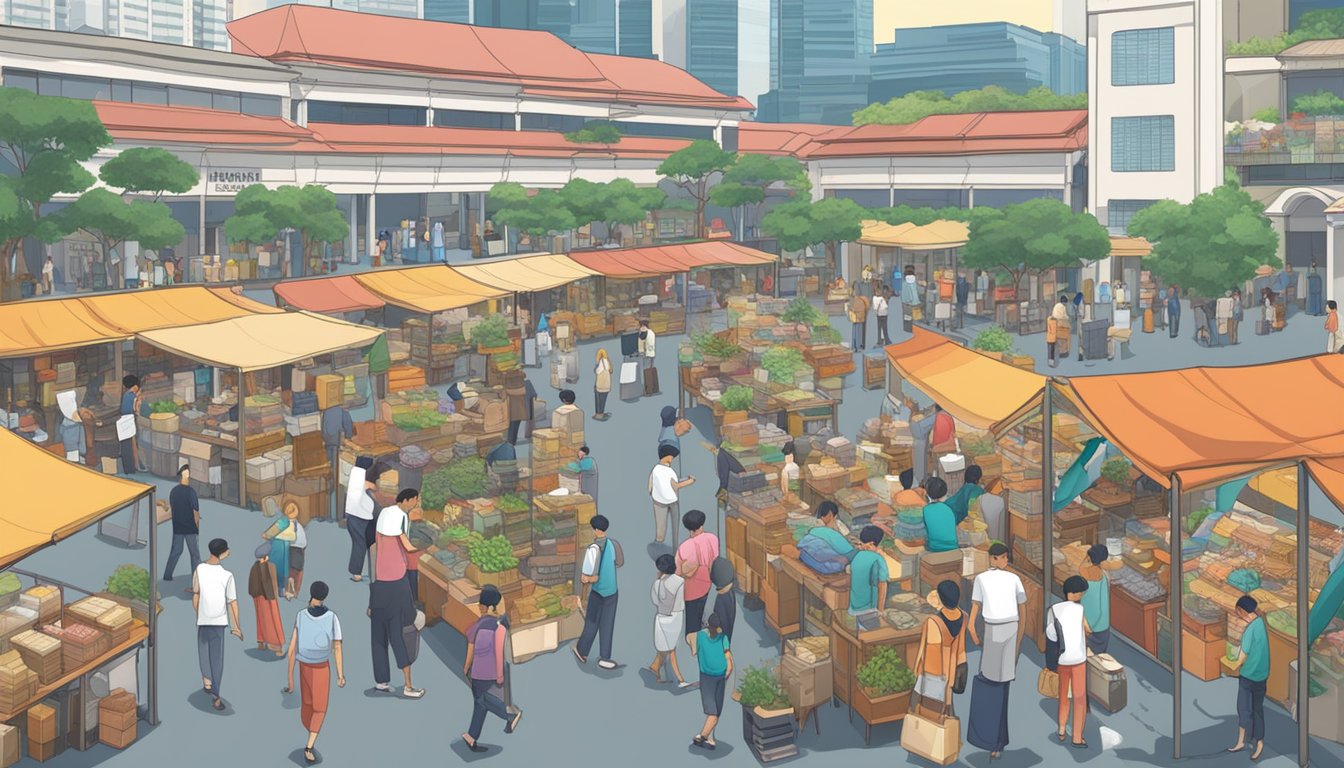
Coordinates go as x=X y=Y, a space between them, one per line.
x=850 y=649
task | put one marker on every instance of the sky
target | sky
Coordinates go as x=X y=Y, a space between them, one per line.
x=891 y=14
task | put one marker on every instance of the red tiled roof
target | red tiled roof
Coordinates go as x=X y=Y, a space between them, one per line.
x=539 y=62
x=142 y=122
x=972 y=134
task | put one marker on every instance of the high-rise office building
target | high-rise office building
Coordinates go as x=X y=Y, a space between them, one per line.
x=965 y=57
x=753 y=48
x=1067 y=17
x=596 y=26
x=634 y=28
x=820 y=51
x=711 y=43
x=458 y=11
x=180 y=22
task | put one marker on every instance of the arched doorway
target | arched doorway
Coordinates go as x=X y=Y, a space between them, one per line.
x=1299 y=217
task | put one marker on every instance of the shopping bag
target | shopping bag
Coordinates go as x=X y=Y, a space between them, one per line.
x=1047 y=684
x=936 y=739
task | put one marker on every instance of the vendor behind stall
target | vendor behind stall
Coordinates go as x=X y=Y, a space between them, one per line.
x=824 y=549
x=940 y=522
x=966 y=495
x=868 y=574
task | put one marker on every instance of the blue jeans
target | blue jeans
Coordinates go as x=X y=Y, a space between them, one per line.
x=210 y=650
x=193 y=552
x=1251 y=708
x=484 y=702
x=598 y=620
x=858 y=335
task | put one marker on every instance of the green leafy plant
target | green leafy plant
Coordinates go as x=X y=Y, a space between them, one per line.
x=714 y=345
x=511 y=503
x=825 y=334
x=129 y=581
x=977 y=445
x=1268 y=115
x=1196 y=518
x=467 y=477
x=993 y=339
x=783 y=363
x=736 y=398
x=1321 y=24
x=418 y=419
x=544 y=528
x=760 y=687
x=493 y=331
x=886 y=673
x=435 y=490
x=595 y=132
x=492 y=555
x=800 y=310
x=163 y=406
x=918 y=105
x=1116 y=469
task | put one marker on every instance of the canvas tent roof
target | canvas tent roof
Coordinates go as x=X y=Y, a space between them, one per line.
x=668 y=259
x=262 y=341
x=935 y=235
x=29 y=520
x=334 y=295
x=136 y=311
x=38 y=327
x=429 y=289
x=527 y=274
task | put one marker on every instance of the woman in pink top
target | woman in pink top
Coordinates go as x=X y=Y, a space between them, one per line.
x=394 y=545
x=694 y=557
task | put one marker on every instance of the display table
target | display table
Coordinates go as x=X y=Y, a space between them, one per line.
x=850 y=649
x=1076 y=523
x=1136 y=620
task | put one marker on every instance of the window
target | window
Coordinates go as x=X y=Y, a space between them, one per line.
x=89 y=88
x=468 y=118
x=147 y=93
x=562 y=123
x=225 y=102
x=669 y=130
x=20 y=78
x=1143 y=57
x=363 y=114
x=121 y=90
x=730 y=138
x=1143 y=143
x=189 y=97
x=1120 y=212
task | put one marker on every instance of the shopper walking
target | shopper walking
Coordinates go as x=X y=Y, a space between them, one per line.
x=1334 y=340
x=360 y=514
x=214 y=598
x=48 y=277
x=882 y=307
x=263 y=588
x=723 y=578
x=1237 y=314
x=391 y=610
x=1174 y=311
x=337 y=430
x=714 y=655
x=314 y=642
x=858 y=319
x=664 y=489
x=393 y=537
x=669 y=604
x=298 y=551
x=185 y=507
x=647 y=351
x=600 y=562
x=484 y=669
x=695 y=557
x=998 y=595
x=280 y=535
x=131 y=404
x=1066 y=624
x=1252 y=664
x=673 y=426
x=601 y=385
x=939 y=667
x=1097 y=599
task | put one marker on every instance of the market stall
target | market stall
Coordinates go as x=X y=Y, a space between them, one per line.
x=56 y=647
x=931 y=251
x=341 y=296
x=240 y=401
x=548 y=284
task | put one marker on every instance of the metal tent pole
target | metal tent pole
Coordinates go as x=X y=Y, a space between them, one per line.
x=1047 y=494
x=1174 y=510
x=153 y=612
x=1303 y=616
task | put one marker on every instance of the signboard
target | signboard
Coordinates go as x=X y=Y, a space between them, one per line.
x=230 y=181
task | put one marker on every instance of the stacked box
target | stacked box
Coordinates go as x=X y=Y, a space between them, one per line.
x=13 y=620
x=80 y=644
x=42 y=727
x=18 y=683
x=808 y=683
x=857 y=506
x=117 y=715
x=41 y=653
x=102 y=614
x=843 y=451
x=9 y=745
x=44 y=599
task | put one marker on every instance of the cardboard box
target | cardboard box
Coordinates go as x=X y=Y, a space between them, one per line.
x=535 y=639
x=807 y=684
x=41 y=723
x=41 y=751
x=117 y=739
x=330 y=390
x=9 y=745
x=110 y=464
x=735 y=533
x=262 y=468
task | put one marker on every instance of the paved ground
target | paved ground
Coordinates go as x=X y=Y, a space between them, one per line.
x=582 y=716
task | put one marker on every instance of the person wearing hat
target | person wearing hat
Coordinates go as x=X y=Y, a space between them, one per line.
x=316 y=639
x=942 y=650
x=723 y=577
x=1066 y=624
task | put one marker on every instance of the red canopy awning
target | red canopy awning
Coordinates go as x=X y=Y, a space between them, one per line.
x=328 y=295
x=667 y=259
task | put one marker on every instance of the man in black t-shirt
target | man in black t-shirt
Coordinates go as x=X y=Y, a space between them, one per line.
x=186 y=509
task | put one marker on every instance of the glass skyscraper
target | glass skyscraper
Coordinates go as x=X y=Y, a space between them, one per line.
x=448 y=10
x=820 y=52
x=711 y=43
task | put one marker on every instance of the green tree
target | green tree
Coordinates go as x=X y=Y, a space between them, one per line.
x=1214 y=242
x=43 y=140
x=1033 y=238
x=1268 y=115
x=1323 y=24
x=149 y=170
x=1318 y=104
x=261 y=214
x=613 y=204
x=595 y=132
x=693 y=168
x=918 y=105
x=746 y=181
x=831 y=221
x=538 y=215
x=111 y=220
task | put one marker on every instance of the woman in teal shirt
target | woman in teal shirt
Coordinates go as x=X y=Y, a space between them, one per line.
x=1097 y=599
x=714 y=654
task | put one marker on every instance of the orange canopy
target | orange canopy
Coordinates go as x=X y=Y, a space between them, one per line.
x=976 y=389
x=630 y=263
x=48 y=325
x=428 y=289
x=1212 y=424
x=139 y=311
x=328 y=295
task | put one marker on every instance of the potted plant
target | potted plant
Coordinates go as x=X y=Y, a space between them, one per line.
x=783 y=364
x=491 y=335
x=492 y=562
x=1115 y=476
x=736 y=401
x=885 y=682
x=768 y=723
x=715 y=348
x=129 y=586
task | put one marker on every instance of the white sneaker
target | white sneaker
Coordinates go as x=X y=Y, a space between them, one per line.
x=606 y=664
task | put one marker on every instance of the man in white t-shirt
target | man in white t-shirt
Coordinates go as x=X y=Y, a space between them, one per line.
x=360 y=511
x=215 y=600
x=663 y=487
x=882 y=305
x=1072 y=621
x=996 y=595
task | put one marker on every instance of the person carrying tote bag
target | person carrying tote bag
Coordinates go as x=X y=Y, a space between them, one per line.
x=932 y=731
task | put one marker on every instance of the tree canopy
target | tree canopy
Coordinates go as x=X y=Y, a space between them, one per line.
x=537 y=214
x=1322 y=24
x=112 y=220
x=800 y=224
x=43 y=140
x=1032 y=238
x=151 y=170
x=595 y=132
x=1209 y=245
x=261 y=214
x=918 y=105
x=613 y=204
x=692 y=168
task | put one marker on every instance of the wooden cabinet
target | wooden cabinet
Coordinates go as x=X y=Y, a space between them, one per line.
x=1135 y=620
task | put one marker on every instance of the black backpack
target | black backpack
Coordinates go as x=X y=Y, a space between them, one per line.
x=1054 y=648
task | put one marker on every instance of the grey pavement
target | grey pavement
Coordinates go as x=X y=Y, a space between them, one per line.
x=584 y=716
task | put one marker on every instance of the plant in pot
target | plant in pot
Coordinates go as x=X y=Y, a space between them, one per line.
x=995 y=341
x=714 y=348
x=491 y=335
x=767 y=716
x=492 y=562
x=129 y=585
x=1115 y=472
x=736 y=401
x=885 y=682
